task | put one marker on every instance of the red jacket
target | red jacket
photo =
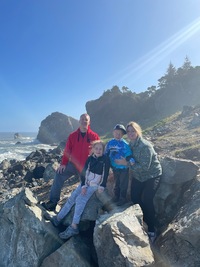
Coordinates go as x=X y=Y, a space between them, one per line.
x=77 y=148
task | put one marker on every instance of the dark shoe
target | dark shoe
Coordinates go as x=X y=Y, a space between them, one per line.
x=109 y=206
x=49 y=205
x=152 y=236
x=115 y=199
x=55 y=221
x=121 y=202
x=69 y=232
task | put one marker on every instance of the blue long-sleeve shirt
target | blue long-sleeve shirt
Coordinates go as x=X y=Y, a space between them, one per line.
x=116 y=149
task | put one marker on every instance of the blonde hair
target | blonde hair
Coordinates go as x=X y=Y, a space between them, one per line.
x=94 y=143
x=135 y=126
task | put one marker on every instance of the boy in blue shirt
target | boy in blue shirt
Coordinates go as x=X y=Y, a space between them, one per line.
x=117 y=148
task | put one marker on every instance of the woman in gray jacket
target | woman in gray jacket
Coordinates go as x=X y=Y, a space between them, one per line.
x=145 y=174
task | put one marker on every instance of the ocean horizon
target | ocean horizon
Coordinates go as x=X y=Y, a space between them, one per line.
x=19 y=146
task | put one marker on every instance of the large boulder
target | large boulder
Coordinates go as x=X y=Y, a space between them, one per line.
x=56 y=128
x=34 y=241
x=177 y=176
x=179 y=242
x=25 y=236
x=120 y=239
x=73 y=253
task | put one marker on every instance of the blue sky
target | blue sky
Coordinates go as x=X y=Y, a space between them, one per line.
x=55 y=55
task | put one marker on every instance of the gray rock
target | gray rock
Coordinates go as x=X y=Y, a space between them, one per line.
x=120 y=239
x=26 y=236
x=179 y=244
x=56 y=128
x=74 y=253
x=178 y=174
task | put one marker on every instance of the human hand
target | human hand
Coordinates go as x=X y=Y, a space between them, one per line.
x=132 y=161
x=83 y=190
x=61 y=169
x=121 y=161
x=100 y=189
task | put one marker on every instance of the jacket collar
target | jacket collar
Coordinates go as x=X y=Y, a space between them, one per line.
x=135 y=143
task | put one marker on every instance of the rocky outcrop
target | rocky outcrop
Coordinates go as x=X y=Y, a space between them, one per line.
x=172 y=96
x=32 y=241
x=119 y=235
x=120 y=239
x=17 y=135
x=28 y=173
x=179 y=242
x=78 y=255
x=27 y=239
x=56 y=128
x=177 y=176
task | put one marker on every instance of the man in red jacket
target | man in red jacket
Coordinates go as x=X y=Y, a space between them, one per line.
x=74 y=157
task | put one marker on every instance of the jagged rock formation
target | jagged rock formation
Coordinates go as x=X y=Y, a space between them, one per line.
x=32 y=239
x=56 y=128
x=23 y=232
x=179 y=242
x=176 y=89
x=120 y=239
x=119 y=235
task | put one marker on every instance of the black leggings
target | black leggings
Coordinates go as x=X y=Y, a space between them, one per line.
x=142 y=193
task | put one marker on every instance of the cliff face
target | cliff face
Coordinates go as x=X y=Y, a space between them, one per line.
x=56 y=128
x=122 y=106
x=111 y=109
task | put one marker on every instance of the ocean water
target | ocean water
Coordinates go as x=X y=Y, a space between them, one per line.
x=19 y=148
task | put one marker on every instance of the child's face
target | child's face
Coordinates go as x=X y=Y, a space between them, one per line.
x=98 y=150
x=117 y=134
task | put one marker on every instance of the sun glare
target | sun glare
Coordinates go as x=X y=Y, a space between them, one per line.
x=151 y=59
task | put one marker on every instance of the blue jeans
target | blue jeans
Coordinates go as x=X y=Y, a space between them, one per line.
x=80 y=202
x=59 y=180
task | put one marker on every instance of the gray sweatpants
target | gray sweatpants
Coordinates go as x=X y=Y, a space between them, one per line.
x=80 y=202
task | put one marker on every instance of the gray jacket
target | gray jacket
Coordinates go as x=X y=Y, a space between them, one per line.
x=147 y=165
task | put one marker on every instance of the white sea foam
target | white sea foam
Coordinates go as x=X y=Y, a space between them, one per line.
x=21 y=147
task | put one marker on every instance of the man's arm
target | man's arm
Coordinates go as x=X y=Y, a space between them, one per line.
x=67 y=151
